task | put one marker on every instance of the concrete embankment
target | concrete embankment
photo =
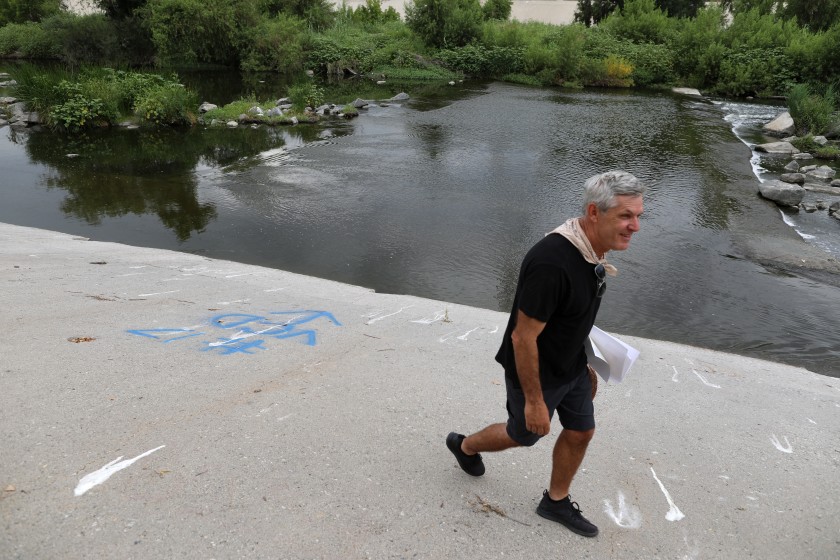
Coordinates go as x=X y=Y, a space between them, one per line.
x=156 y=404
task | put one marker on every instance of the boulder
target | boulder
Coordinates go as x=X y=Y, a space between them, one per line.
x=402 y=96
x=687 y=91
x=255 y=111
x=784 y=194
x=781 y=125
x=835 y=183
x=807 y=168
x=232 y=124
x=359 y=103
x=821 y=140
x=792 y=167
x=797 y=178
x=7 y=100
x=834 y=208
x=275 y=112
x=823 y=172
x=777 y=148
x=809 y=208
x=204 y=107
x=803 y=155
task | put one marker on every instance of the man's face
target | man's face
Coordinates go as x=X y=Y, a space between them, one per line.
x=616 y=226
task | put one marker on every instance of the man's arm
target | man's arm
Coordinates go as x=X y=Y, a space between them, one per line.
x=526 y=354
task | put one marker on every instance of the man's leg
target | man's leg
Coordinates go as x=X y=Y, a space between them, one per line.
x=492 y=438
x=569 y=451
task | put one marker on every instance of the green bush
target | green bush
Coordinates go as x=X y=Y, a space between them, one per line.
x=90 y=39
x=760 y=72
x=815 y=55
x=306 y=94
x=79 y=112
x=169 y=104
x=481 y=61
x=275 y=44
x=689 y=45
x=197 y=31
x=641 y=21
x=444 y=23
x=318 y=14
x=27 y=40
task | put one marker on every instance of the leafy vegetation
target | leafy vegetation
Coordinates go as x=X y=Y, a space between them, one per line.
x=738 y=48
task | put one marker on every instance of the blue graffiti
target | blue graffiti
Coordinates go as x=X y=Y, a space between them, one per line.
x=248 y=333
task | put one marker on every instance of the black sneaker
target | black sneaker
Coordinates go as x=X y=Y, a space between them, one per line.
x=568 y=513
x=472 y=464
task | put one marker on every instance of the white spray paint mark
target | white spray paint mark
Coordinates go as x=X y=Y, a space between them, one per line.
x=141 y=266
x=284 y=417
x=447 y=336
x=703 y=379
x=274 y=290
x=676 y=373
x=429 y=320
x=674 y=513
x=98 y=477
x=234 y=301
x=724 y=477
x=628 y=517
x=811 y=421
x=786 y=448
x=171 y=279
x=495 y=330
x=159 y=293
x=238 y=275
x=375 y=319
x=133 y=274
x=242 y=335
x=466 y=334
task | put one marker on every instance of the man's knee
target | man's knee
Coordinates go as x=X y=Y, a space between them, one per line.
x=578 y=438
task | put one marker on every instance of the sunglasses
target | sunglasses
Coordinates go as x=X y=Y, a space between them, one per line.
x=601 y=275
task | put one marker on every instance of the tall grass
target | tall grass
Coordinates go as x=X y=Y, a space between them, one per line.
x=813 y=113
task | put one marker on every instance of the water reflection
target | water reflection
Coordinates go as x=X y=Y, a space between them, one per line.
x=120 y=172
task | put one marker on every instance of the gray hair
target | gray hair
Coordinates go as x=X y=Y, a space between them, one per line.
x=602 y=189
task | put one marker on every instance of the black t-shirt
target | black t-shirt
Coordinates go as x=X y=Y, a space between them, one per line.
x=558 y=287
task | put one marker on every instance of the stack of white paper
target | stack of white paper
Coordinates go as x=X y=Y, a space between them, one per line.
x=609 y=356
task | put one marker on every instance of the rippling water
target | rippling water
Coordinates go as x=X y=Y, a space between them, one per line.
x=442 y=200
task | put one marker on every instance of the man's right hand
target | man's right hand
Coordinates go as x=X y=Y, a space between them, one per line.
x=537 y=420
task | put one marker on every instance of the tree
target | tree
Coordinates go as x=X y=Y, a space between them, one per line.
x=497 y=9
x=591 y=12
x=816 y=15
x=444 y=23
x=680 y=8
x=21 y=11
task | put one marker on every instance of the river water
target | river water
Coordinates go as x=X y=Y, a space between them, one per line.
x=442 y=195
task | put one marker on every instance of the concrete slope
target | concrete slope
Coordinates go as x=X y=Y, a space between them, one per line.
x=156 y=404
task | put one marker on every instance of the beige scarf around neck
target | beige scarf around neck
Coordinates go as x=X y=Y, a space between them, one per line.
x=573 y=231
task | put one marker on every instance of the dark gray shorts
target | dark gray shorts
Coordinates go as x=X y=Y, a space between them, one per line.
x=572 y=401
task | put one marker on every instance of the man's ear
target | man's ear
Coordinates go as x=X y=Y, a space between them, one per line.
x=592 y=211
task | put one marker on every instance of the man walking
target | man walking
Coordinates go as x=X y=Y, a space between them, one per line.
x=558 y=294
